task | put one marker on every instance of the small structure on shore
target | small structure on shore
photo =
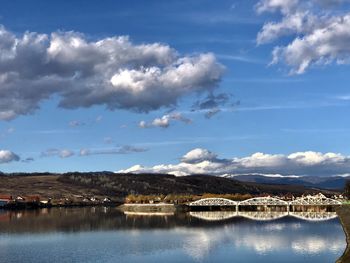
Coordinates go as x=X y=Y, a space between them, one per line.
x=5 y=200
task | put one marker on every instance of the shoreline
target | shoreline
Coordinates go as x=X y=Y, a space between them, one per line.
x=35 y=206
x=344 y=217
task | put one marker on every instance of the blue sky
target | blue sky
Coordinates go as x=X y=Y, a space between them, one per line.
x=277 y=109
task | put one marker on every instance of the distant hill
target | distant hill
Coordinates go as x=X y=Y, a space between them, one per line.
x=334 y=183
x=124 y=184
x=111 y=184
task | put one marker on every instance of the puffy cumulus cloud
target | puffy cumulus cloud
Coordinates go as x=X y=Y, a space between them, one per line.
x=295 y=23
x=64 y=153
x=262 y=160
x=7 y=156
x=198 y=155
x=125 y=149
x=319 y=35
x=112 y=72
x=314 y=158
x=202 y=161
x=322 y=46
x=164 y=121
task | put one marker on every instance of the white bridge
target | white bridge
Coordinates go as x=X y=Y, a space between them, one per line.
x=309 y=200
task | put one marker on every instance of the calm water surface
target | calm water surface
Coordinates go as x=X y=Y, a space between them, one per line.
x=107 y=235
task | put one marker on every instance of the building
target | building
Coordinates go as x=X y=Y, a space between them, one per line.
x=4 y=200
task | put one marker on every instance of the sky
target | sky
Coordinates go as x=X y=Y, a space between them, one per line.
x=217 y=87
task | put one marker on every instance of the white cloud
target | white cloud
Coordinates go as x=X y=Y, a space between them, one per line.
x=295 y=23
x=320 y=35
x=112 y=72
x=202 y=161
x=64 y=153
x=285 y=6
x=322 y=46
x=7 y=156
x=164 y=121
x=125 y=149
x=198 y=155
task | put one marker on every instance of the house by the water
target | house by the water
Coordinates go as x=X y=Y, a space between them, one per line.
x=4 y=200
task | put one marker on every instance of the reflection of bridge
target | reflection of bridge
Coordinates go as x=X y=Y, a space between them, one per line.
x=309 y=200
x=214 y=215
x=132 y=213
x=314 y=216
x=262 y=216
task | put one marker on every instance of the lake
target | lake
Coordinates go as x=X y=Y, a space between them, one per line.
x=104 y=234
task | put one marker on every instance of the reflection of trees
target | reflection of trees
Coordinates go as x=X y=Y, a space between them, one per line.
x=108 y=218
x=79 y=219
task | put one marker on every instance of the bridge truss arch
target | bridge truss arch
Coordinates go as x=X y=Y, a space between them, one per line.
x=316 y=200
x=263 y=201
x=213 y=202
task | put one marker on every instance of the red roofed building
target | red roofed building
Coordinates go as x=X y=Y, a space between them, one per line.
x=5 y=199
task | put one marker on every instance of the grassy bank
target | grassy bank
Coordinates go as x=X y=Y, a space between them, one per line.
x=148 y=208
x=344 y=216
